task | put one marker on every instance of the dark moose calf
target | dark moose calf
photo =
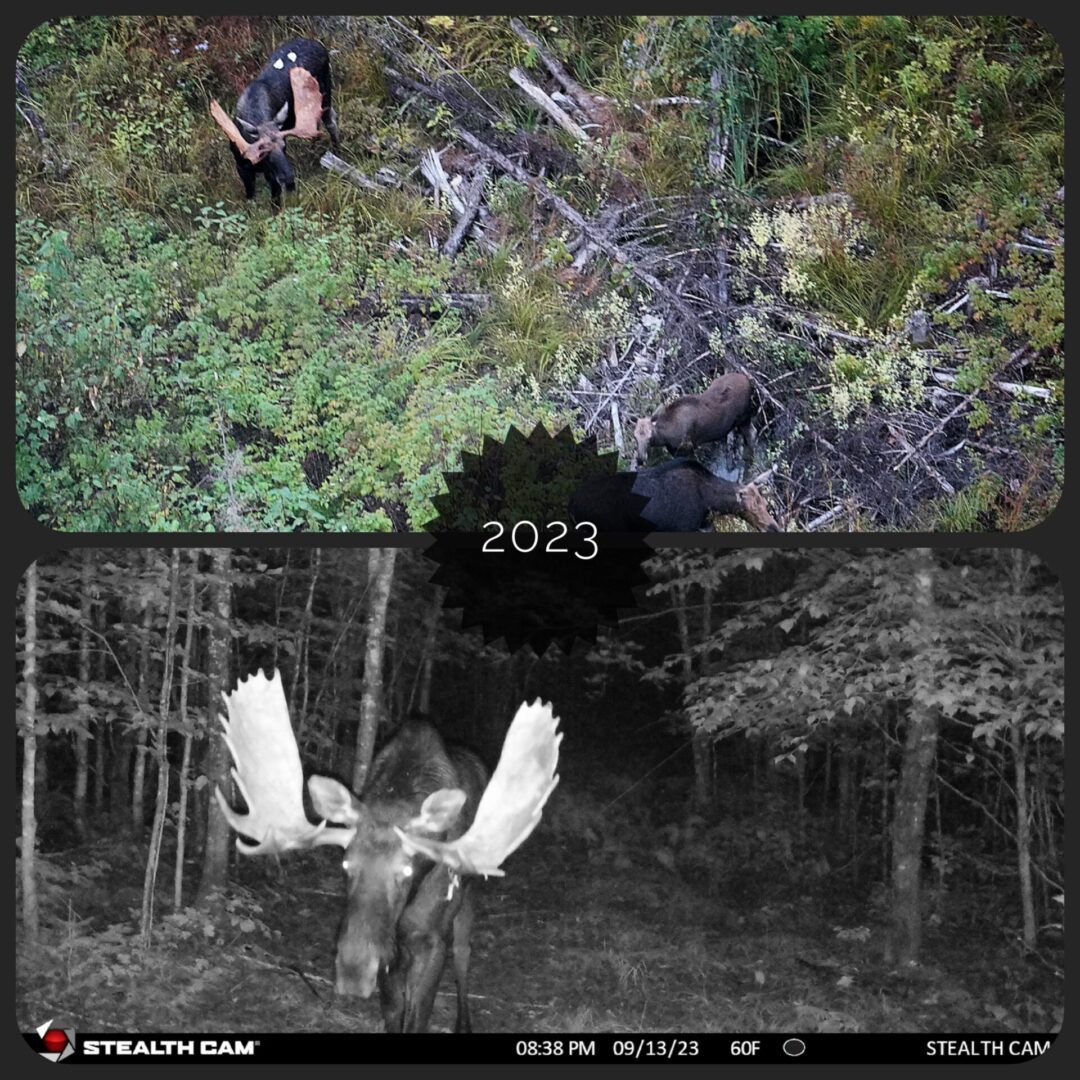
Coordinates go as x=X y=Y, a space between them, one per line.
x=426 y=824
x=677 y=496
x=288 y=97
x=694 y=419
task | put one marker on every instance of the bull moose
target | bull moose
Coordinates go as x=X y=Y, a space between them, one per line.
x=288 y=97
x=427 y=823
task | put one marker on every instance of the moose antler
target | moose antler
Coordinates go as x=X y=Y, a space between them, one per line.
x=307 y=110
x=226 y=123
x=510 y=807
x=260 y=738
x=307 y=104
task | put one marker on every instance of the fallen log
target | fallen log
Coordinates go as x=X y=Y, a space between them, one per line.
x=344 y=169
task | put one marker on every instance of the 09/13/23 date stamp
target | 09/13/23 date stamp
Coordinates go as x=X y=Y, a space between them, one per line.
x=608 y=1048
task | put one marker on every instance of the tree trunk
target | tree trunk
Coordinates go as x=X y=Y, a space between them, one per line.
x=1020 y=564
x=189 y=735
x=420 y=697
x=138 y=779
x=701 y=745
x=30 y=916
x=157 y=830
x=302 y=647
x=215 y=868
x=82 y=697
x=380 y=579
x=120 y=778
x=909 y=811
x=100 y=728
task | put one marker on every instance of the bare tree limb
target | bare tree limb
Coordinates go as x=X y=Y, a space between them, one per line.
x=940 y=426
x=549 y=106
x=473 y=196
x=354 y=176
x=902 y=439
x=616 y=429
x=1020 y=389
x=588 y=103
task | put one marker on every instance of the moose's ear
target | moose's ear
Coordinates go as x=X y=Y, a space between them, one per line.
x=333 y=800
x=439 y=812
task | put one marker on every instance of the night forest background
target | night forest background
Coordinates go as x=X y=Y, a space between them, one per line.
x=816 y=791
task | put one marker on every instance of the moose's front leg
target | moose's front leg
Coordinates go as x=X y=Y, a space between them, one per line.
x=392 y=997
x=462 y=932
x=246 y=172
x=422 y=981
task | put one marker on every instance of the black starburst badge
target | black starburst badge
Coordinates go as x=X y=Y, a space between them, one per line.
x=516 y=559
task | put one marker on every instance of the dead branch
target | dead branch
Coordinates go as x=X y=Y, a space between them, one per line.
x=564 y=209
x=616 y=429
x=1020 y=389
x=718 y=140
x=901 y=438
x=657 y=102
x=1032 y=249
x=49 y=159
x=606 y=225
x=549 y=106
x=440 y=59
x=935 y=430
x=590 y=104
x=344 y=169
x=824 y=519
x=473 y=196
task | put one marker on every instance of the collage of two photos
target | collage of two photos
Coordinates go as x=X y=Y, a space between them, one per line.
x=411 y=417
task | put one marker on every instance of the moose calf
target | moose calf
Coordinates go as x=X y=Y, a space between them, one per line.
x=677 y=496
x=694 y=419
x=288 y=97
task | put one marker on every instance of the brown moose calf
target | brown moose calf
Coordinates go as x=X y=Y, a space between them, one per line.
x=677 y=496
x=694 y=419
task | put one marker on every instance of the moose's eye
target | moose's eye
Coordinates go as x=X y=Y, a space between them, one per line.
x=344 y=864
x=406 y=870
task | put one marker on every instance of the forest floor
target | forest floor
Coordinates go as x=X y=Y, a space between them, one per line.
x=581 y=935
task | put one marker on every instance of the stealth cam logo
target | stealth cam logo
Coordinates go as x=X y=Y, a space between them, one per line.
x=56 y=1043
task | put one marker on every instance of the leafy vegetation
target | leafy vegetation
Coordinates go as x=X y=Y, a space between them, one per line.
x=886 y=191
